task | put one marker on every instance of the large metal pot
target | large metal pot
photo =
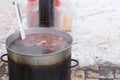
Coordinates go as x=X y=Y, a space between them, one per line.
x=54 y=66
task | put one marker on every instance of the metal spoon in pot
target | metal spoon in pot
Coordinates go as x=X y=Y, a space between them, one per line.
x=19 y=20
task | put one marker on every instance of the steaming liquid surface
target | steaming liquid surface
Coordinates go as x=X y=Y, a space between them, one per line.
x=41 y=43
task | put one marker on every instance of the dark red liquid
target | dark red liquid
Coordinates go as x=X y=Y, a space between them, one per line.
x=41 y=43
x=59 y=71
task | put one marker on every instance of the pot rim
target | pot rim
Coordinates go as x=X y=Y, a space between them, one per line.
x=41 y=55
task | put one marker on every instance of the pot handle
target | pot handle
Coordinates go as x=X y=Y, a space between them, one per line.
x=2 y=57
x=76 y=61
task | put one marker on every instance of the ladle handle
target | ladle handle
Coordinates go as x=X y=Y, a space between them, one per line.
x=76 y=61
x=2 y=57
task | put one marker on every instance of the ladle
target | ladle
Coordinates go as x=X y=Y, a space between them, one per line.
x=21 y=26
